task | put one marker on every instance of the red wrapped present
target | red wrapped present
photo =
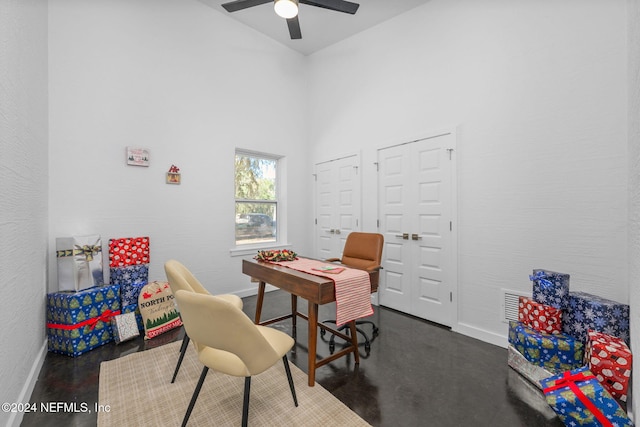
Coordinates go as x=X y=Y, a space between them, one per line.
x=128 y=251
x=541 y=317
x=609 y=359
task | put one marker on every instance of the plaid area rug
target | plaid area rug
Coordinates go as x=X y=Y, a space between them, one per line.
x=136 y=390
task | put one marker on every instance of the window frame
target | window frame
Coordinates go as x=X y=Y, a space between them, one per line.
x=250 y=248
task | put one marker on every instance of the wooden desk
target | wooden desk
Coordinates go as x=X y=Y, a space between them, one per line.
x=316 y=290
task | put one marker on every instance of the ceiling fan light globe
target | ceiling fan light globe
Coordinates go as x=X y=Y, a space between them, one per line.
x=287 y=9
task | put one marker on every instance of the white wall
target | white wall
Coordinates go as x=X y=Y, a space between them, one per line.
x=537 y=93
x=191 y=85
x=23 y=190
x=633 y=49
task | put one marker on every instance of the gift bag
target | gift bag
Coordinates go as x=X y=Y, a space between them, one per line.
x=158 y=309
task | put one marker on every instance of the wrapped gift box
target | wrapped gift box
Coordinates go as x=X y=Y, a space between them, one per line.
x=79 y=261
x=587 y=311
x=520 y=364
x=541 y=317
x=550 y=288
x=580 y=400
x=523 y=391
x=124 y=327
x=131 y=279
x=556 y=353
x=610 y=360
x=128 y=251
x=81 y=321
x=133 y=308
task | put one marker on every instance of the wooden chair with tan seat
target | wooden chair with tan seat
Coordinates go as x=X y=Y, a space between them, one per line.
x=363 y=251
x=180 y=278
x=229 y=342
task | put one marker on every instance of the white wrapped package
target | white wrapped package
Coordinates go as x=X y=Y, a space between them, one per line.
x=79 y=262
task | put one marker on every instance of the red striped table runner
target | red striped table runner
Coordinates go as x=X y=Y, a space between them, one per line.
x=353 y=288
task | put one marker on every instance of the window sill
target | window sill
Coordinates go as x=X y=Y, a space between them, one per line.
x=252 y=249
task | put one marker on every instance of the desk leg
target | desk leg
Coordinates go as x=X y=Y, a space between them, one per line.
x=294 y=315
x=313 y=341
x=354 y=341
x=261 y=287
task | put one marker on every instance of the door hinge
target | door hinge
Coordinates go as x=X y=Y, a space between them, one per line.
x=450 y=225
x=315 y=221
x=377 y=223
x=450 y=150
x=377 y=166
x=450 y=296
x=315 y=176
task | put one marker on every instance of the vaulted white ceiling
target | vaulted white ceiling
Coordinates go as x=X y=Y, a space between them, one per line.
x=320 y=27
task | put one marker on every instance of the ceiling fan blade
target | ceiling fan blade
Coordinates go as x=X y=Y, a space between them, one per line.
x=294 y=28
x=337 y=5
x=234 y=6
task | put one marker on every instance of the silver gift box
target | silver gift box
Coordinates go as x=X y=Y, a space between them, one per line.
x=79 y=262
x=125 y=327
x=525 y=368
x=522 y=390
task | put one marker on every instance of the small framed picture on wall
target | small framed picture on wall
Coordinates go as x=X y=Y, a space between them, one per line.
x=137 y=156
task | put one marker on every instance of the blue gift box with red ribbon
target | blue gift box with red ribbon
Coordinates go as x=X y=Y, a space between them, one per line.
x=81 y=321
x=580 y=400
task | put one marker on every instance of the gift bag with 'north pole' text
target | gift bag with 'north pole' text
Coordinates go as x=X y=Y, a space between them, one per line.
x=158 y=309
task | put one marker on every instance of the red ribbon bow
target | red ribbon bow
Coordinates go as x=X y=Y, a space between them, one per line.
x=569 y=380
x=104 y=317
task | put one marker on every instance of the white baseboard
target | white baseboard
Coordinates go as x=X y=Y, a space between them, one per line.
x=481 y=334
x=25 y=394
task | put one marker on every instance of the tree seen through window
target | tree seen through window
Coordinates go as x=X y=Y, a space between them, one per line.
x=256 y=198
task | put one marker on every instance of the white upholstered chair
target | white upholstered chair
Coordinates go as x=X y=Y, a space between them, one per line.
x=180 y=278
x=230 y=343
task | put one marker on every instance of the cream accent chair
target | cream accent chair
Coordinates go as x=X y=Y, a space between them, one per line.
x=180 y=278
x=230 y=343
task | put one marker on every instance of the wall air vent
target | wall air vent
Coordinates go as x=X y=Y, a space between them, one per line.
x=509 y=303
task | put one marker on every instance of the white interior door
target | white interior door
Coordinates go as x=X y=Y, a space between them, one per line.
x=337 y=204
x=416 y=218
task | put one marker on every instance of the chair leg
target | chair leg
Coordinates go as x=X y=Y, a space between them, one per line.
x=183 y=350
x=322 y=331
x=196 y=392
x=245 y=405
x=290 y=378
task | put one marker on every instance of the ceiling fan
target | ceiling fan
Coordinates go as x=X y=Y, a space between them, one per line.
x=288 y=9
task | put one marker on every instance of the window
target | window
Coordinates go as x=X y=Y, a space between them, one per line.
x=256 y=198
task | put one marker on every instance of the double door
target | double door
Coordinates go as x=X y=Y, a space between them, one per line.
x=416 y=204
x=337 y=204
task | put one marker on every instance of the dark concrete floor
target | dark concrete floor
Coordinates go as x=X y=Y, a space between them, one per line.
x=416 y=374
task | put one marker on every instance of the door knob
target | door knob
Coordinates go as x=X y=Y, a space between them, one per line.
x=415 y=237
x=404 y=236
